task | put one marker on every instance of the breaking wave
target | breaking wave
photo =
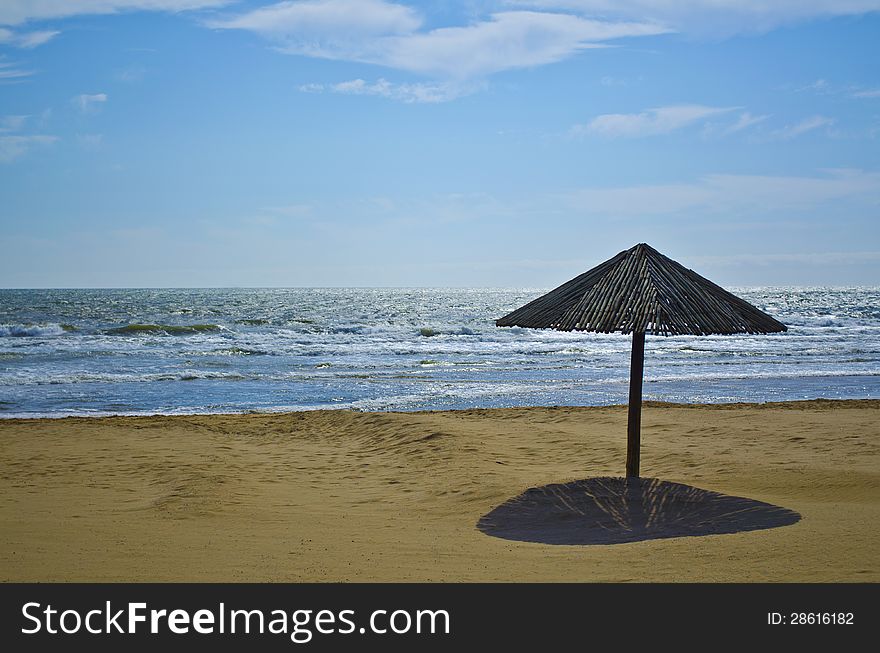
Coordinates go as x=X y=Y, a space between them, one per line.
x=169 y=329
x=33 y=330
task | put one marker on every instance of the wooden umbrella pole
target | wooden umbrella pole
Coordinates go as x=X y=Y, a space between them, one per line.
x=634 y=423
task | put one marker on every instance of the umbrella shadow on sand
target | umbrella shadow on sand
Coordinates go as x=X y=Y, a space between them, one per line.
x=619 y=510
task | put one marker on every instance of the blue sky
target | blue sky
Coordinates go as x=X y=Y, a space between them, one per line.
x=496 y=143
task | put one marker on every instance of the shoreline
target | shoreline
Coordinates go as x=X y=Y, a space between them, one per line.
x=818 y=402
x=342 y=495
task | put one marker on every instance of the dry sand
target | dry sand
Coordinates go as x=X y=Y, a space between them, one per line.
x=345 y=496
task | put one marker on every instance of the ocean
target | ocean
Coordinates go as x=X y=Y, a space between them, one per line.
x=184 y=351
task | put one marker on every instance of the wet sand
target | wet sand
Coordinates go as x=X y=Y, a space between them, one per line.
x=347 y=496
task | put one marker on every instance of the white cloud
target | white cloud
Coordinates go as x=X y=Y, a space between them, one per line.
x=819 y=86
x=327 y=29
x=660 y=120
x=404 y=92
x=722 y=194
x=389 y=34
x=131 y=74
x=824 y=87
x=516 y=39
x=410 y=93
x=867 y=93
x=329 y=20
x=12 y=147
x=9 y=71
x=30 y=40
x=713 y=17
x=360 y=87
x=745 y=121
x=87 y=103
x=806 y=125
x=26 y=40
x=12 y=123
x=15 y=12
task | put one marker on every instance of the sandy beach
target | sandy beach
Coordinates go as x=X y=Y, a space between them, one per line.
x=349 y=496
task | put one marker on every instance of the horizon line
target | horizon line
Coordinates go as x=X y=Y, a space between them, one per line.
x=388 y=287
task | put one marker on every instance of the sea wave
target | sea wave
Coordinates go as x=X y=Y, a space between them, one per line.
x=709 y=376
x=429 y=332
x=169 y=329
x=235 y=351
x=32 y=330
x=122 y=377
x=376 y=349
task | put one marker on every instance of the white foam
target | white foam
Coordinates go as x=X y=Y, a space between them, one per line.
x=30 y=330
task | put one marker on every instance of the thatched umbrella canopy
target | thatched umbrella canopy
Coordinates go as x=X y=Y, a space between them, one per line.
x=641 y=291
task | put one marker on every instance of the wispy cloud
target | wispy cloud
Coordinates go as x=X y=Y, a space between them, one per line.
x=10 y=72
x=814 y=258
x=14 y=146
x=729 y=195
x=12 y=123
x=90 y=141
x=713 y=17
x=26 y=40
x=15 y=12
x=745 y=121
x=824 y=87
x=393 y=35
x=14 y=73
x=131 y=74
x=806 y=125
x=312 y=87
x=819 y=86
x=44 y=117
x=87 y=103
x=322 y=27
x=428 y=92
x=509 y=40
x=724 y=127
x=661 y=120
x=30 y=40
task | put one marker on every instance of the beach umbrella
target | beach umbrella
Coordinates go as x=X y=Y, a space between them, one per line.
x=641 y=291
